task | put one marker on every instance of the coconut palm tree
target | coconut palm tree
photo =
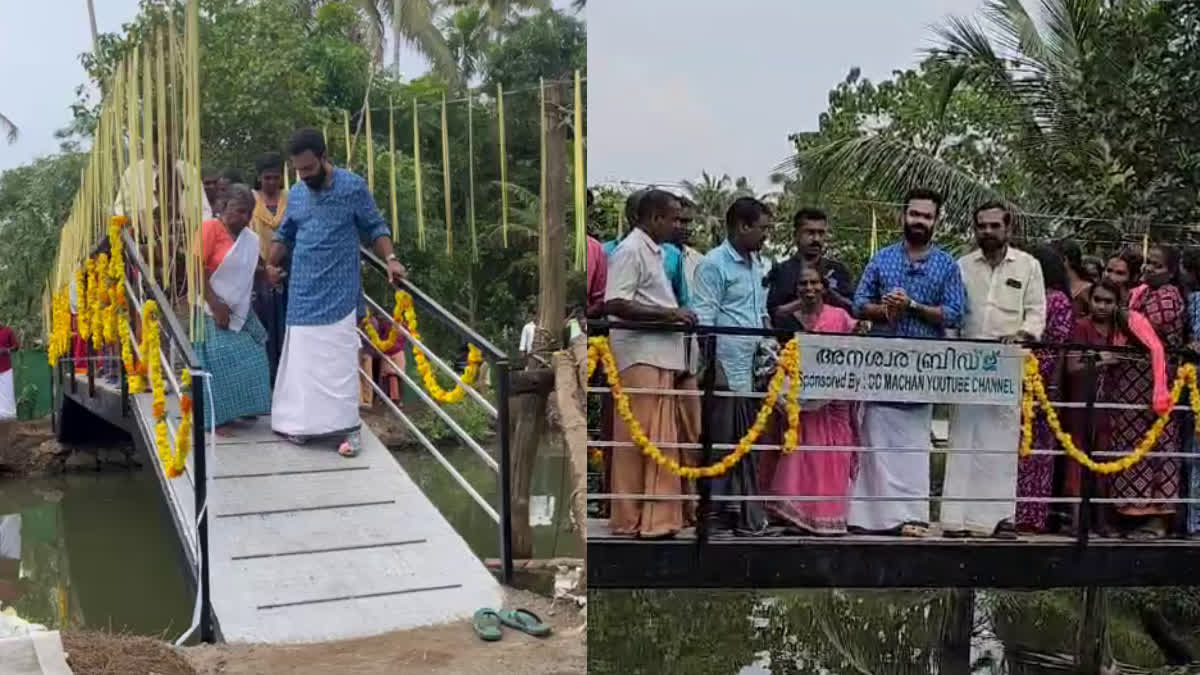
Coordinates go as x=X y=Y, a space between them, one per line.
x=10 y=130
x=466 y=34
x=712 y=195
x=1036 y=68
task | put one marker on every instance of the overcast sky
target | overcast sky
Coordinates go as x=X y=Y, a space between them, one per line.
x=40 y=43
x=680 y=86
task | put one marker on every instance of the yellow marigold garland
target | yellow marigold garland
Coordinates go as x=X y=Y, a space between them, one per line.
x=403 y=311
x=1034 y=391
x=789 y=365
x=60 y=326
x=175 y=464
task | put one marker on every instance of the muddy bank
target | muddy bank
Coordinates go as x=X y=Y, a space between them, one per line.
x=30 y=449
x=100 y=653
x=446 y=649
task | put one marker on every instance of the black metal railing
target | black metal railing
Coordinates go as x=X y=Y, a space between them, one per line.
x=499 y=362
x=708 y=336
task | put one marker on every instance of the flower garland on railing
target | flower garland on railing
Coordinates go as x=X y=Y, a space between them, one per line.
x=175 y=462
x=1034 y=391
x=403 y=311
x=81 y=290
x=788 y=367
x=99 y=302
x=60 y=326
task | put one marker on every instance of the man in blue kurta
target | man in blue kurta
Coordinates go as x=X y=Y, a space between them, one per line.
x=329 y=212
x=909 y=289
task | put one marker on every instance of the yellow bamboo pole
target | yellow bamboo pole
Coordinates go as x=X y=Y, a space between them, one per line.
x=580 y=180
x=134 y=198
x=370 y=148
x=349 y=144
x=194 y=186
x=417 y=178
x=148 y=153
x=471 y=180
x=446 y=181
x=874 y=232
x=392 y=160
x=503 y=165
x=164 y=171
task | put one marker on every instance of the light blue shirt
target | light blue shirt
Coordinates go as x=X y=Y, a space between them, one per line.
x=729 y=292
x=323 y=230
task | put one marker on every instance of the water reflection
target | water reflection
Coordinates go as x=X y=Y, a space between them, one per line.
x=842 y=631
x=549 y=503
x=91 y=550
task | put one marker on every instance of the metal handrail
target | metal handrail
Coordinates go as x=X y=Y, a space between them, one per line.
x=437 y=361
x=490 y=351
x=174 y=330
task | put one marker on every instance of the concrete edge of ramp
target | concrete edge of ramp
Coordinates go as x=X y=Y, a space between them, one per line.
x=38 y=653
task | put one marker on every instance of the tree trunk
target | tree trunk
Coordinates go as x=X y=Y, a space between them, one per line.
x=395 y=52
x=552 y=257
x=527 y=410
x=1093 y=653
x=569 y=389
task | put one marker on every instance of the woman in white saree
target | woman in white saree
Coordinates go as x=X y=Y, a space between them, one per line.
x=231 y=341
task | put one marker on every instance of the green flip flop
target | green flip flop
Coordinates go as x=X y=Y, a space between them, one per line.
x=486 y=623
x=525 y=621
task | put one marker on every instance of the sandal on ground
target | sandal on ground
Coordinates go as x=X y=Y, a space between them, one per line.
x=524 y=621
x=914 y=530
x=486 y=624
x=1144 y=534
x=350 y=446
x=956 y=534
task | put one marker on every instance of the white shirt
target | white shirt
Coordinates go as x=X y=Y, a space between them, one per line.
x=527 y=332
x=1005 y=299
x=691 y=260
x=636 y=274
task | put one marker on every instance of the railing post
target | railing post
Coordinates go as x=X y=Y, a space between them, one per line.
x=200 y=478
x=71 y=360
x=504 y=425
x=91 y=371
x=708 y=384
x=1088 y=484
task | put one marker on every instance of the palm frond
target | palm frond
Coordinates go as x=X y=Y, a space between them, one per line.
x=891 y=168
x=10 y=130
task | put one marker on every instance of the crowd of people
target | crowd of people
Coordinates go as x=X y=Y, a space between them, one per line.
x=1042 y=296
x=282 y=292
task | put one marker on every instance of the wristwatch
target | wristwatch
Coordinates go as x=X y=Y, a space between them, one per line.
x=912 y=304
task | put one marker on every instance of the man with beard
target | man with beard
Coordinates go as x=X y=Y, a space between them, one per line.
x=811 y=230
x=909 y=289
x=729 y=292
x=329 y=212
x=1006 y=301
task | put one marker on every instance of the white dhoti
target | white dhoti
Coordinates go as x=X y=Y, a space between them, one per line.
x=892 y=474
x=316 y=390
x=8 y=396
x=977 y=475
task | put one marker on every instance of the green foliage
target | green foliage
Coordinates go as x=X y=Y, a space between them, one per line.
x=34 y=202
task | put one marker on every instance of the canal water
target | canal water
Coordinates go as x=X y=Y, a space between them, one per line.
x=726 y=632
x=97 y=550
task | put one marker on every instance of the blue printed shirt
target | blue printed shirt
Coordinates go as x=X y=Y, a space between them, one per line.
x=323 y=230
x=933 y=281
x=729 y=292
x=672 y=263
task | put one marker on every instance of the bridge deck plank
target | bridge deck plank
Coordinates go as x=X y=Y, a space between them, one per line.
x=363 y=550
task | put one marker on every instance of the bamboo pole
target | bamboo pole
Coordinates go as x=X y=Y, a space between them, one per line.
x=417 y=178
x=370 y=147
x=471 y=181
x=164 y=169
x=392 y=161
x=349 y=144
x=503 y=164
x=149 y=170
x=446 y=181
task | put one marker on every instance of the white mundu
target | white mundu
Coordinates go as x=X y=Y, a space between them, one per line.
x=1002 y=300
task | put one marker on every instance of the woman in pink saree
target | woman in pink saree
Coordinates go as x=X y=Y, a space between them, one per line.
x=822 y=424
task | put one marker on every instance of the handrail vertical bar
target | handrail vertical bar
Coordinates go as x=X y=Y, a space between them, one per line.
x=1084 y=526
x=74 y=385
x=91 y=370
x=707 y=400
x=199 y=466
x=504 y=425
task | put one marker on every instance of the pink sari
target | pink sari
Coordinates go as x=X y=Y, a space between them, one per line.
x=815 y=472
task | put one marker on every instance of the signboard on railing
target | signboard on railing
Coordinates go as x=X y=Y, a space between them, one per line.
x=910 y=371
